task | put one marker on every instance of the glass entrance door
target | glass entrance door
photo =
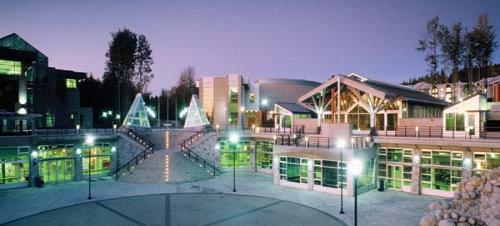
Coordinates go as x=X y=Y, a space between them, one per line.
x=57 y=170
x=394 y=176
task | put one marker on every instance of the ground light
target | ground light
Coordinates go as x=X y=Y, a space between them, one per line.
x=341 y=146
x=89 y=141
x=233 y=139
x=356 y=167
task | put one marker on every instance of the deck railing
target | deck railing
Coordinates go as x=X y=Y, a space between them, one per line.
x=440 y=132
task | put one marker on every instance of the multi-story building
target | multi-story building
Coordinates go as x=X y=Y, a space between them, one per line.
x=42 y=126
x=234 y=99
x=29 y=86
x=444 y=91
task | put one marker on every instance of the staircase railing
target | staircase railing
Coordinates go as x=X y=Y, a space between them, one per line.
x=215 y=171
x=138 y=158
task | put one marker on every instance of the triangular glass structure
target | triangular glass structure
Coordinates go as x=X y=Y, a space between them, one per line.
x=195 y=114
x=137 y=115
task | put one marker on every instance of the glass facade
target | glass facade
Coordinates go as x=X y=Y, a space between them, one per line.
x=455 y=121
x=9 y=67
x=100 y=159
x=329 y=173
x=395 y=166
x=233 y=105
x=293 y=169
x=242 y=151
x=264 y=154
x=483 y=160
x=441 y=170
x=14 y=164
x=57 y=163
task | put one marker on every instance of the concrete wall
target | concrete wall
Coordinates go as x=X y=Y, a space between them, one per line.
x=412 y=122
x=127 y=148
x=310 y=124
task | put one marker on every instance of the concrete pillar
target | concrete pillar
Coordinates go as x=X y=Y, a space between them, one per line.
x=467 y=164
x=276 y=169
x=113 y=160
x=78 y=168
x=310 y=174
x=349 y=182
x=416 y=171
x=34 y=169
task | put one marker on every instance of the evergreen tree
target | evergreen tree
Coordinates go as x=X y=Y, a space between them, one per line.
x=430 y=44
x=143 y=61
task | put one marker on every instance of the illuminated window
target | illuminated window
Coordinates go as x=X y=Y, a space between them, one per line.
x=252 y=98
x=70 y=83
x=8 y=67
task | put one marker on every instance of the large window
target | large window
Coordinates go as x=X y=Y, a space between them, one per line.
x=441 y=170
x=57 y=163
x=9 y=67
x=483 y=160
x=242 y=151
x=455 y=121
x=293 y=169
x=329 y=173
x=359 y=118
x=264 y=154
x=70 y=83
x=100 y=159
x=14 y=164
x=395 y=166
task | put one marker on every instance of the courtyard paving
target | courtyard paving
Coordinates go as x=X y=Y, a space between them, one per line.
x=375 y=208
x=184 y=209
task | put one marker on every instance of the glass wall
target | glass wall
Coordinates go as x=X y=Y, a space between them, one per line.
x=441 y=170
x=233 y=105
x=293 y=169
x=359 y=118
x=455 y=121
x=9 y=67
x=14 y=164
x=395 y=166
x=100 y=159
x=243 y=152
x=483 y=161
x=57 y=162
x=264 y=154
x=329 y=173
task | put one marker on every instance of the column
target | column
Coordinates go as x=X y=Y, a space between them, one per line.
x=310 y=174
x=415 y=172
x=276 y=169
x=34 y=169
x=467 y=165
x=78 y=168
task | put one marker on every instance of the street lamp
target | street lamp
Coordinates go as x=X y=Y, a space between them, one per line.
x=89 y=141
x=341 y=146
x=233 y=139
x=356 y=167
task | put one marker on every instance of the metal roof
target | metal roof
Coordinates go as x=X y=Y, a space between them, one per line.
x=294 y=108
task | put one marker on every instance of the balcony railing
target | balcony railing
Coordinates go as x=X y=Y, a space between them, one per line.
x=440 y=132
x=357 y=142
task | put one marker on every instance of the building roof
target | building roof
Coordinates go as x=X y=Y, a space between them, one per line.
x=288 y=81
x=69 y=74
x=377 y=88
x=404 y=92
x=294 y=108
x=7 y=53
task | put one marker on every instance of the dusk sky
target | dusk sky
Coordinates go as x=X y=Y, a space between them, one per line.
x=286 y=39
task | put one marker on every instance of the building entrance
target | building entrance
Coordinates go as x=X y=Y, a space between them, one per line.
x=394 y=176
x=57 y=170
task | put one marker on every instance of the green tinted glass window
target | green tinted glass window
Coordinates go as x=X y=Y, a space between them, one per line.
x=71 y=83
x=9 y=67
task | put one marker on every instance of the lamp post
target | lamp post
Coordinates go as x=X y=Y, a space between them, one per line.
x=340 y=146
x=233 y=139
x=356 y=167
x=89 y=141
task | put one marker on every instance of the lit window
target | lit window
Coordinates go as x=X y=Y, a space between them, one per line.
x=70 y=83
x=8 y=67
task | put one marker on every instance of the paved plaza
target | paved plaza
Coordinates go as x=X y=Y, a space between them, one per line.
x=184 y=209
x=196 y=198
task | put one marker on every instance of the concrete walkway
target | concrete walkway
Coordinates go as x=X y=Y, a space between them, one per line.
x=166 y=167
x=375 y=208
x=184 y=210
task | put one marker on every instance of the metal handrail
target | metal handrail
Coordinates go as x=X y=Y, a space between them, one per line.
x=485 y=132
x=198 y=159
x=135 y=160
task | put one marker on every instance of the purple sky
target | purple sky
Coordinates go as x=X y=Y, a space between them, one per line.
x=294 y=39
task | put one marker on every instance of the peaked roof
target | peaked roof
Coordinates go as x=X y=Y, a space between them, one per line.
x=195 y=114
x=377 y=88
x=137 y=115
x=294 y=108
x=14 y=41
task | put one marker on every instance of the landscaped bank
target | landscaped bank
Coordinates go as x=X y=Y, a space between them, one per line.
x=476 y=202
